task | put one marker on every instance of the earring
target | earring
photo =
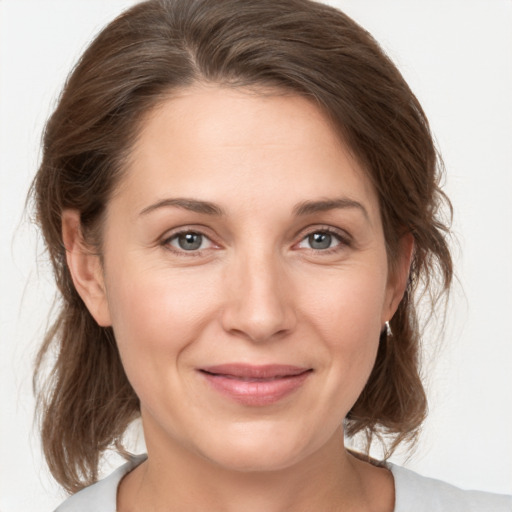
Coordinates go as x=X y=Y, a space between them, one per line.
x=389 y=332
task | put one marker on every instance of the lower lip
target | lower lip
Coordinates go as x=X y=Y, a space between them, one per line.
x=256 y=392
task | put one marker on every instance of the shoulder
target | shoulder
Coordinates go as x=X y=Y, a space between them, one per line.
x=421 y=494
x=101 y=496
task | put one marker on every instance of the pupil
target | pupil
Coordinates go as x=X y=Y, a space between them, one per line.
x=320 y=240
x=190 y=241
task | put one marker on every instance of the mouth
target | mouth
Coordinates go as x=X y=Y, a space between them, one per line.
x=255 y=385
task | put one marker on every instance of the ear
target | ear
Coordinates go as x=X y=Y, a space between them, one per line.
x=85 y=268
x=399 y=276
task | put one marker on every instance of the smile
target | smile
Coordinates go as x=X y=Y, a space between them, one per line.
x=255 y=385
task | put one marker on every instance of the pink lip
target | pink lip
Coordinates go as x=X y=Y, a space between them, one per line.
x=255 y=385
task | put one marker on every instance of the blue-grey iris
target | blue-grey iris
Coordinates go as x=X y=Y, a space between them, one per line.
x=320 y=240
x=190 y=241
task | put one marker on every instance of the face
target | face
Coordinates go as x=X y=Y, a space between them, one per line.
x=245 y=276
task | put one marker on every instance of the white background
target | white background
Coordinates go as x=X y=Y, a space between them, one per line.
x=457 y=57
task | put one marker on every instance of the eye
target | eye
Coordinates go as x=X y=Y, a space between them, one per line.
x=320 y=241
x=189 y=241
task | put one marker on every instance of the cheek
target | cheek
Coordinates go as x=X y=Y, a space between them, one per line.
x=156 y=314
x=348 y=305
x=347 y=317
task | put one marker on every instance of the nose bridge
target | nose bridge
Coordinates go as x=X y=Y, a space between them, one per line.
x=259 y=304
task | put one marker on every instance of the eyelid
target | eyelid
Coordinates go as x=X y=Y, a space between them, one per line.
x=181 y=230
x=343 y=236
x=346 y=240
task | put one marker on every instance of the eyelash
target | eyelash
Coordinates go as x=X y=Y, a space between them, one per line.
x=166 y=242
x=343 y=239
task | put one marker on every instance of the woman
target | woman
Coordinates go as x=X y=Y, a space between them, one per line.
x=239 y=209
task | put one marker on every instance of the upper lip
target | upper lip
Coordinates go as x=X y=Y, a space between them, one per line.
x=247 y=371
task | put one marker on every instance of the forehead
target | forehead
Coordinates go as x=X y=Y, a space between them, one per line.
x=216 y=143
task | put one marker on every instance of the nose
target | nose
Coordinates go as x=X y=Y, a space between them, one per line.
x=259 y=304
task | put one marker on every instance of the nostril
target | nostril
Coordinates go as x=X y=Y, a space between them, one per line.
x=257 y=329
x=259 y=305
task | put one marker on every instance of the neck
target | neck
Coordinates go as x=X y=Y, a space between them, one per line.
x=176 y=479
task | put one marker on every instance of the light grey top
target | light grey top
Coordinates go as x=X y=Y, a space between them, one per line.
x=413 y=493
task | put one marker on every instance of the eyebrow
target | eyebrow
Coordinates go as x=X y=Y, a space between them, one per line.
x=301 y=209
x=192 y=205
x=309 y=207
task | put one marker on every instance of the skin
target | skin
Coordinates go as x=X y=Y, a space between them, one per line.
x=256 y=291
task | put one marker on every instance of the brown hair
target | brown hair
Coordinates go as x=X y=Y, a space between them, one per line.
x=133 y=64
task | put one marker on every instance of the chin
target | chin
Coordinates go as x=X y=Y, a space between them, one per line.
x=254 y=461
x=257 y=452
